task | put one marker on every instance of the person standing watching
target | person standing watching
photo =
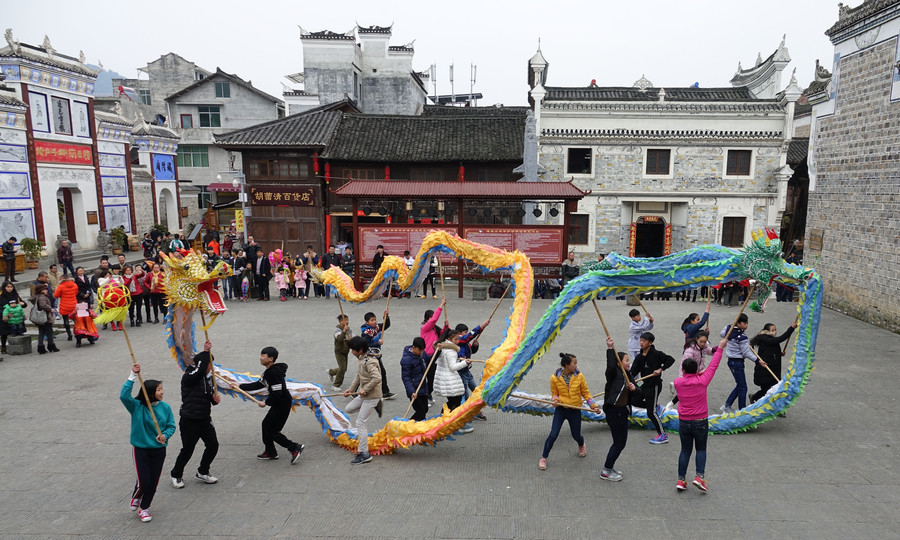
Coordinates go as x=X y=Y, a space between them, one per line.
x=570 y=268
x=9 y=257
x=64 y=257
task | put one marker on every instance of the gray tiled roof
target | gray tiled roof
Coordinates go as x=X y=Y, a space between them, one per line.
x=797 y=150
x=443 y=111
x=9 y=98
x=219 y=74
x=863 y=11
x=621 y=93
x=61 y=61
x=151 y=130
x=110 y=118
x=430 y=139
x=309 y=129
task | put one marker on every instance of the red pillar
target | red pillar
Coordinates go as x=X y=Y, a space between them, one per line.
x=32 y=168
x=387 y=172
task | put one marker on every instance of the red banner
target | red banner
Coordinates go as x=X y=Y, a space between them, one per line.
x=54 y=152
x=282 y=196
x=668 y=245
x=541 y=244
x=632 y=240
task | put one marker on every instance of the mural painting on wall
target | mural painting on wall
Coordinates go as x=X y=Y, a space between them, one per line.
x=13 y=153
x=14 y=185
x=163 y=167
x=114 y=186
x=18 y=223
x=117 y=216
x=61 y=116
x=80 y=119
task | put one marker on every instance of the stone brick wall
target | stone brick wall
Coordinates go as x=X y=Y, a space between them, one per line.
x=143 y=207
x=856 y=200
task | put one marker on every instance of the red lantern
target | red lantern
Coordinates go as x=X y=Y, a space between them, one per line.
x=316 y=163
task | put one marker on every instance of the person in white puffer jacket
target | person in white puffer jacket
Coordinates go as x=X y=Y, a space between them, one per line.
x=447 y=381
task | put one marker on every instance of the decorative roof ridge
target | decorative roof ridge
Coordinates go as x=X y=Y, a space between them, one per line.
x=761 y=105
x=328 y=107
x=663 y=133
x=112 y=118
x=373 y=29
x=350 y=35
x=848 y=16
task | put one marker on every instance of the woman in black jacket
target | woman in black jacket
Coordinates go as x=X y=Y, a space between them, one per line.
x=619 y=394
x=85 y=292
x=7 y=295
x=769 y=349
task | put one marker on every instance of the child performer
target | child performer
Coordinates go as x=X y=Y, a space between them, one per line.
x=279 y=402
x=770 y=351
x=342 y=336
x=568 y=387
x=149 y=448
x=637 y=327
x=696 y=348
x=693 y=323
x=466 y=340
x=372 y=332
x=651 y=361
x=197 y=399
x=736 y=351
x=368 y=385
x=619 y=393
x=693 y=426
x=412 y=370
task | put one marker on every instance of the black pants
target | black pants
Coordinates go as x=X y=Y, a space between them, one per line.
x=429 y=279
x=67 y=267
x=651 y=395
x=149 y=464
x=430 y=376
x=454 y=402
x=45 y=331
x=617 y=420
x=262 y=285
x=65 y=319
x=145 y=300
x=10 y=269
x=420 y=406
x=272 y=424
x=384 y=385
x=191 y=432
x=159 y=304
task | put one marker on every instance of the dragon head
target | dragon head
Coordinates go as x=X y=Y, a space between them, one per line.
x=762 y=259
x=190 y=285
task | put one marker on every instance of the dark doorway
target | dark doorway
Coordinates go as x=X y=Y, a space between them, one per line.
x=650 y=239
x=67 y=215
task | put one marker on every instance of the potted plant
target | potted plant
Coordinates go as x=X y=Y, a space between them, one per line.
x=33 y=251
x=119 y=237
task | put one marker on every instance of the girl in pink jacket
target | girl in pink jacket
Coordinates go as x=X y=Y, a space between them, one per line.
x=693 y=426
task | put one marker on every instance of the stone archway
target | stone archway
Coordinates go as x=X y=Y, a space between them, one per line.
x=168 y=209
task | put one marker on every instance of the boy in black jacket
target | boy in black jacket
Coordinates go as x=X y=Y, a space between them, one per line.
x=279 y=401
x=197 y=399
x=650 y=361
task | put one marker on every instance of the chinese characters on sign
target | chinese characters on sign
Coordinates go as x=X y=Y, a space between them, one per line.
x=163 y=166
x=282 y=196
x=541 y=244
x=53 y=152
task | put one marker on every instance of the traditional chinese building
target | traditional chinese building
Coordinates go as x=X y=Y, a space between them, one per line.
x=669 y=168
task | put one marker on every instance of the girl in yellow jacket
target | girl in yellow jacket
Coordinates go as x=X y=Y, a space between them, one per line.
x=568 y=387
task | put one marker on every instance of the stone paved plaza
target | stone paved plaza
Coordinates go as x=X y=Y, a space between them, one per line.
x=828 y=470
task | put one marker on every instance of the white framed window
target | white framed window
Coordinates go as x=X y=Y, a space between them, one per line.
x=739 y=163
x=579 y=160
x=658 y=163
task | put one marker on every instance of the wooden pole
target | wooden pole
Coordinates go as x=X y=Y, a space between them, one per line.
x=386 y=307
x=636 y=381
x=788 y=341
x=766 y=366
x=501 y=298
x=340 y=305
x=638 y=298
x=743 y=306
x=605 y=329
x=143 y=388
x=443 y=293
x=552 y=403
x=339 y=394
x=238 y=389
x=427 y=368
x=212 y=366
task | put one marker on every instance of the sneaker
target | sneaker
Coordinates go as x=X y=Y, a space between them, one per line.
x=434 y=296
x=611 y=475
x=466 y=429
x=205 y=478
x=680 y=485
x=481 y=416
x=542 y=464
x=361 y=458
x=420 y=296
x=135 y=504
x=390 y=395
x=336 y=389
x=669 y=407
x=145 y=516
x=582 y=451
x=295 y=455
x=265 y=456
x=660 y=439
x=700 y=483
x=672 y=388
x=726 y=409
x=177 y=483
x=430 y=402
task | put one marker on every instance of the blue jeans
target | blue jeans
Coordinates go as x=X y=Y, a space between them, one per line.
x=692 y=433
x=740 y=380
x=468 y=381
x=559 y=416
x=226 y=288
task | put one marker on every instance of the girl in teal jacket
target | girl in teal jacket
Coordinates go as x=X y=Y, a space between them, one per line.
x=149 y=448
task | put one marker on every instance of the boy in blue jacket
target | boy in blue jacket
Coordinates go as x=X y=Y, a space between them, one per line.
x=412 y=370
x=468 y=345
x=737 y=350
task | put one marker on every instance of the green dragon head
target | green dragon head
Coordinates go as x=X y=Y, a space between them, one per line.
x=762 y=259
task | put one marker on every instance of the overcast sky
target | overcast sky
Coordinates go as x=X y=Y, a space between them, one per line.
x=673 y=43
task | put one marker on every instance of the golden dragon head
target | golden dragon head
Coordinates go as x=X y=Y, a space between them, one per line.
x=190 y=285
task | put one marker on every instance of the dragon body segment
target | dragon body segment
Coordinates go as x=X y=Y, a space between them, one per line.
x=516 y=353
